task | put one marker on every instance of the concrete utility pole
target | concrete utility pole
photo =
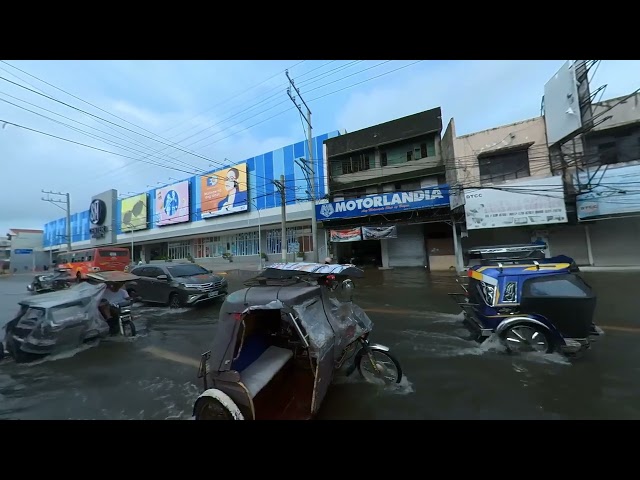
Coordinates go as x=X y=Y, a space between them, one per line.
x=280 y=186
x=67 y=201
x=314 y=222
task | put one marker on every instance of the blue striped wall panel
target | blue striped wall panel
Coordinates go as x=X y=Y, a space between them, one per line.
x=262 y=170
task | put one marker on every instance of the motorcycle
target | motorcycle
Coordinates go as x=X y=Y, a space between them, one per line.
x=60 y=279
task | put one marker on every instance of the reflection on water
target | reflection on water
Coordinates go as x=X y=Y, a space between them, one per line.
x=446 y=375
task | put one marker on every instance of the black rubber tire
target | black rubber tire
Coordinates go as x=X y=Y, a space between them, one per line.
x=211 y=409
x=551 y=345
x=132 y=293
x=129 y=327
x=361 y=354
x=174 y=301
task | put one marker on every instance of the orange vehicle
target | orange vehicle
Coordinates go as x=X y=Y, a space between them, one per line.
x=96 y=259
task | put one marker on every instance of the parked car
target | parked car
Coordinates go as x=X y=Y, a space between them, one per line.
x=176 y=284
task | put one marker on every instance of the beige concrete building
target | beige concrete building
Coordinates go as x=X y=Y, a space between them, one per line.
x=502 y=187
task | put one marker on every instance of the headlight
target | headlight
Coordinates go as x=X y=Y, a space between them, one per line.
x=488 y=293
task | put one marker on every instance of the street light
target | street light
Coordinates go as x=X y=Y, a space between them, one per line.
x=259 y=232
x=130 y=225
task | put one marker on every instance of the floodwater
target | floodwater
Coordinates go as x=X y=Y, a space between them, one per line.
x=447 y=376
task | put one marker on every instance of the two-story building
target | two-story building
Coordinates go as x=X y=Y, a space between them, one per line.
x=502 y=187
x=606 y=187
x=389 y=202
x=26 y=250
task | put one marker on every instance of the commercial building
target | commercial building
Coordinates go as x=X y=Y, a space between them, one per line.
x=25 y=250
x=232 y=213
x=503 y=190
x=605 y=187
x=389 y=201
x=567 y=178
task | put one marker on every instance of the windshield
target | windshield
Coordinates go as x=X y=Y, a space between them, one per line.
x=187 y=270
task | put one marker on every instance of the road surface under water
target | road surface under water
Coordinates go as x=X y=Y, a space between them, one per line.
x=153 y=376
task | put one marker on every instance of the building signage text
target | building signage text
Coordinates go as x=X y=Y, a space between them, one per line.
x=99 y=232
x=385 y=203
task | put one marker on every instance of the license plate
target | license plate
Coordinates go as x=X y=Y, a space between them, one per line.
x=213 y=294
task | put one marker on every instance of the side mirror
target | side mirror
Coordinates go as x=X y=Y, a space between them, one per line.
x=162 y=277
x=210 y=271
x=347 y=288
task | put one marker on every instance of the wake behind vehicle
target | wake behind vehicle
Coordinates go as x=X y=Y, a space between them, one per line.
x=530 y=302
x=280 y=341
x=59 y=279
x=60 y=321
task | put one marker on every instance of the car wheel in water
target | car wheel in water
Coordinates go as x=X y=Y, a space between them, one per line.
x=174 y=301
x=134 y=296
x=527 y=337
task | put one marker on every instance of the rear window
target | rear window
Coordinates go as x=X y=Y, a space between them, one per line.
x=113 y=253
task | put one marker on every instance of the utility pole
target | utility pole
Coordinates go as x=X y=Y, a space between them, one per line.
x=283 y=198
x=56 y=201
x=314 y=223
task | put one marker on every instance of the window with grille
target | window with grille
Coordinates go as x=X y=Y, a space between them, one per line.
x=300 y=235
x=179 y=250
x=501 y=167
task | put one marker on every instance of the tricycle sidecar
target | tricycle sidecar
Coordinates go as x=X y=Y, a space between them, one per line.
x=280 y=340
x=530 y=302
x=59 y=321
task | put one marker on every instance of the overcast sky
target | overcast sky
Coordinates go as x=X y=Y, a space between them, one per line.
x=224 y=109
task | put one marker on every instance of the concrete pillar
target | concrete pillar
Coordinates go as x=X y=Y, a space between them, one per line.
x=384 y=250
x=457 y=249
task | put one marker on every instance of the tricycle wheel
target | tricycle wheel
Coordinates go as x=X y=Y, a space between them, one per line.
x=527 y=337
x=388 y=368
x=129 y=329
x=209 y=408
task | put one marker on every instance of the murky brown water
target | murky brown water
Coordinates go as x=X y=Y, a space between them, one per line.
x=447 y=376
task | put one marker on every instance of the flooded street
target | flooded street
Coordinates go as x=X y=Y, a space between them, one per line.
x=153 y=376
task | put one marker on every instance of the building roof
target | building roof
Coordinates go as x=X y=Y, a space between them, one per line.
x=13 y=231
x=411 y=126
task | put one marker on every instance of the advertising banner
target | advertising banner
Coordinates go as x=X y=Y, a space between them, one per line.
x=376 y=233
x=172 y=204
x=347 y=235
x=614 y=192
x=224 y=191
x=133 y=213
x=515 y=204
x=385 y=203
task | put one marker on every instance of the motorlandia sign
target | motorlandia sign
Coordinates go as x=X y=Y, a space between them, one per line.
x=385 y=203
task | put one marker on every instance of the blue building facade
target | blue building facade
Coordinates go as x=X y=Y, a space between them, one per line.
x=262 y=193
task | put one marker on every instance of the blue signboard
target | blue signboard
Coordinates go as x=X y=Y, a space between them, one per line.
x=384 y=203
x=23 y=251
x=613 y=192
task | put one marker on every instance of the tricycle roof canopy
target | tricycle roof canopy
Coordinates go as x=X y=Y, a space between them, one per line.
x=77 y=293
x=287 y=270
x=112 y=276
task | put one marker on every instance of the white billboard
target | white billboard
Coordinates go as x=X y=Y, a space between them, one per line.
x=516 y=204
x=562 y=113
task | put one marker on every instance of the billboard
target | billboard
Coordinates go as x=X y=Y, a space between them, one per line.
x=172 y=204
x=133 y=213
x=562 y=113
x=384 y=203
x=102 y=218
x=224 y=191
x=614 y=192
x=515 y=204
